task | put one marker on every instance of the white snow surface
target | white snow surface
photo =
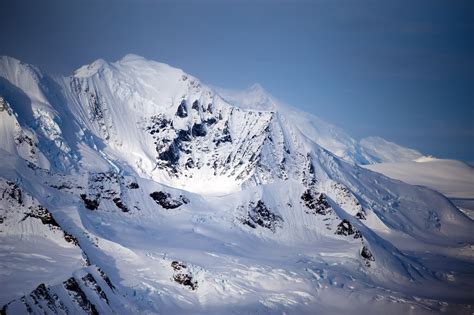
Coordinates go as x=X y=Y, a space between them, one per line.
x=452 y=178
x=172 y=197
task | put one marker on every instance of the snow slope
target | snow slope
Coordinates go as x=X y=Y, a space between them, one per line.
x=183 y=199
x=382 y=150
x=454 y=179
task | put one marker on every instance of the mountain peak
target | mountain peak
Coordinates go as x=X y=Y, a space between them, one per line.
x=91 y=69
x=256 y=87
x=132 y=57
x=254 y=97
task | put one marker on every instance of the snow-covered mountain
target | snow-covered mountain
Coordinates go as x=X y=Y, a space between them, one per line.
x=154 y=193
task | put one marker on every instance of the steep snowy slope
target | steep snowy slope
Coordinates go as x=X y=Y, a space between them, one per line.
x=454 y=179
x=182 y=200
x=385 y=151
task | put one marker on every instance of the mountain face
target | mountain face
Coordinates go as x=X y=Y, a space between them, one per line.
x=153 y=193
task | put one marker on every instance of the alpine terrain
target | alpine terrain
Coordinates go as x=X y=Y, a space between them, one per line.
x=131 y=187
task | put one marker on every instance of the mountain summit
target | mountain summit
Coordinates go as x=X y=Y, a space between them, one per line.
x=154 y=193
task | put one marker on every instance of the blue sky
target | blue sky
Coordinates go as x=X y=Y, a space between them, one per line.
x=403 y=70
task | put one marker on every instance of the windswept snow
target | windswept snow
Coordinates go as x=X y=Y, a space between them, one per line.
x=385 y=151
x=454 y=179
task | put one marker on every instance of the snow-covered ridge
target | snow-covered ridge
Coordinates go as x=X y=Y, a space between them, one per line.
x=185 y=196
x=383 y=151
x=366 y=151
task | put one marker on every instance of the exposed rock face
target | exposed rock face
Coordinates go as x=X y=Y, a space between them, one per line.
x=17 y=207
x=133 y=185
x=102 y=186
x=345 y=228
x=83 y=294
x=183 y=277
x=42 y=295
x=120 y=205
x=90 y=203
x=186 y=280
x=316 y=202
x=367 y=255
x=259 y=215
x=14 y=192
x=165 y=200
x=182 y=111
x=199 y=130
x=79 y=296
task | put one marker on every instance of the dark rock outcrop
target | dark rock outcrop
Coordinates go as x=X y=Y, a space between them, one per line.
x=177 y=265
x=198 y=130
x=118 y=202
x=76 y=295
x=195 y=105
x=183 y=135
x=133 y=185
x=171 y=155
x=41 y=213
x=91 y=204
x=260 y=215
x=361 y=215
x=182 y=277
x=186 y=280
x=315 y=202
x=367 y=255
x=182 y=111
x=166 y=200
x=14 y=192
x=79 y=296
x=345 y=228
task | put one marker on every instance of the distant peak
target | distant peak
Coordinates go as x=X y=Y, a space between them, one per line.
x=258 y=94
x=132 y=57
x=256 y=87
